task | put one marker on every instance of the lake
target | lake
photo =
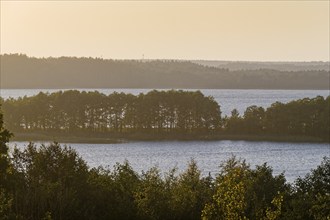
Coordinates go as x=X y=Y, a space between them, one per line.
x=227 y=98
x=295 y=159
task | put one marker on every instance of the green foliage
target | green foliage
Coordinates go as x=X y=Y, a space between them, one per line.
x=126 y=182
x=5 y=174
x=48 y=216
x=4 y=161
x=157 y=112
x=53 y=182
x=304 y=117
x=310 y=197
x=320 y=209
x=152 y=197
x=228 y=202
x=49 y=179
x=245 y=193
x=272 y=214
x=254 y=120
x=5 y=205
x=233 y=124
x=190 y=193
x=161 y=114
x=262 y=189
x=300 y=117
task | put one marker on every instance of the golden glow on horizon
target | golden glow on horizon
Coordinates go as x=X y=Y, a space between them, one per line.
x=274 y=31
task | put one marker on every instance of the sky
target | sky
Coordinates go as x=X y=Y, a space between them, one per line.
x=208 y=30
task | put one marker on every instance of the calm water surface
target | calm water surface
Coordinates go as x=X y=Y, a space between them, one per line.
x=295 y=159
x=227 y=98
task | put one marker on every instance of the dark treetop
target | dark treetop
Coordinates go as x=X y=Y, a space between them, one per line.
x=172 y=114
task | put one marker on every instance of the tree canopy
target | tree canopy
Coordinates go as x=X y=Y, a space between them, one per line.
x=72 y=111
x=53 y=182
x=162 y=113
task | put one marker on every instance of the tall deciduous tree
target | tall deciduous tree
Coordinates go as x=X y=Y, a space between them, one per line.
x=5 y=195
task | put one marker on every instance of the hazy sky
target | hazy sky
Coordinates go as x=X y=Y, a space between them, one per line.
x=217 y=30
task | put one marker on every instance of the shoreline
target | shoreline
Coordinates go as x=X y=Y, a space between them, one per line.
x=117 y=139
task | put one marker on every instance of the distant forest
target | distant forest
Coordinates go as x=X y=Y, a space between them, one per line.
x=22 y=72
x=253 y=65
x=172 y=114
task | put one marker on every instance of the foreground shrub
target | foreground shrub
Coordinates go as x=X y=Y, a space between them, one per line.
x=53 y=182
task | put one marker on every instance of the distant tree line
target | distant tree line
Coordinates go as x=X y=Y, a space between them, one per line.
x=20 y=71
x=156 y=111
x=257 y=65
x=304 y=117
x=161 y=113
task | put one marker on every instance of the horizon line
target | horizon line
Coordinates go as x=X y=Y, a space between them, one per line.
x=169 y=59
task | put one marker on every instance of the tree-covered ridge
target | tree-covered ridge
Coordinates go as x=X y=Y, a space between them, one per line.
x=161 y=113
x=256 y=65
x=21 y=71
